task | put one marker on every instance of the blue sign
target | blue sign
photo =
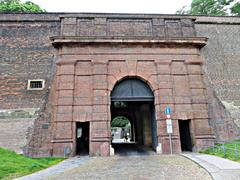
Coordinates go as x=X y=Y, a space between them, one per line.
x=167 y=110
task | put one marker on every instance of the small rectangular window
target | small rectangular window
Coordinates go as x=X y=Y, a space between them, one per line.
x=36 y=84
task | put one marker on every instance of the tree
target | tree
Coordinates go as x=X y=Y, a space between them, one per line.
x=120 y=121
x=235 y=9
x=212 y=7
x=17 y=6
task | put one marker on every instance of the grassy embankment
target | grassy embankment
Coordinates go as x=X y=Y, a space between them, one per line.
x=13 y=165
x=232 y=150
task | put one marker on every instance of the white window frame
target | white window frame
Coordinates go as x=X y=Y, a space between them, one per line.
x=33 y=80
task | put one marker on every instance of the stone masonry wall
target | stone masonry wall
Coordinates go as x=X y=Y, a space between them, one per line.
x=127 y=26
x=173 y=73
x=26 y=53
x=222 y=67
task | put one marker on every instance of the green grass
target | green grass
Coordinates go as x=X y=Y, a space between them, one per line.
x=230 y=153
x=13 y=165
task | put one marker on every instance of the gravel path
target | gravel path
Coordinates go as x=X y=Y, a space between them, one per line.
x=136 y=167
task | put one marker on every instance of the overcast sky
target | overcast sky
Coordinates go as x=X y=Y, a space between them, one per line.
x=113 y=6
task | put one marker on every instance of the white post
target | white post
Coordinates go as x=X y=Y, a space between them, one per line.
x=170 y=142
x=170 y=131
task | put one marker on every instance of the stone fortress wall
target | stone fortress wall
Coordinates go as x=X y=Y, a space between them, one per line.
x=26 y=52
x=222 y=57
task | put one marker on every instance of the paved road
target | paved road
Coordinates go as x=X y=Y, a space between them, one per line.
x=57 y=169
x=166 y=167
x=136 y=167
x=140 y=165
x=219 y=168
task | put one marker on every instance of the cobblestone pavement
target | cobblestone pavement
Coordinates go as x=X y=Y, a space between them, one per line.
x=166 y=167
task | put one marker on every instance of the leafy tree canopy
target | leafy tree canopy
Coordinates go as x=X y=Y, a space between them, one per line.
x=212 y=7
x=120 y=121
x=18 y=6
x=235 y=9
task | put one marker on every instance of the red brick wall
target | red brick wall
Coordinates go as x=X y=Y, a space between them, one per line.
x=26 y=53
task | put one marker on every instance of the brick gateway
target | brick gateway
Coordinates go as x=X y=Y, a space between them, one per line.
x=43 y=98
x=94 y=54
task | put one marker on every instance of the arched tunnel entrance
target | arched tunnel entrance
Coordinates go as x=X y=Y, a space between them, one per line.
x=133 y=124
